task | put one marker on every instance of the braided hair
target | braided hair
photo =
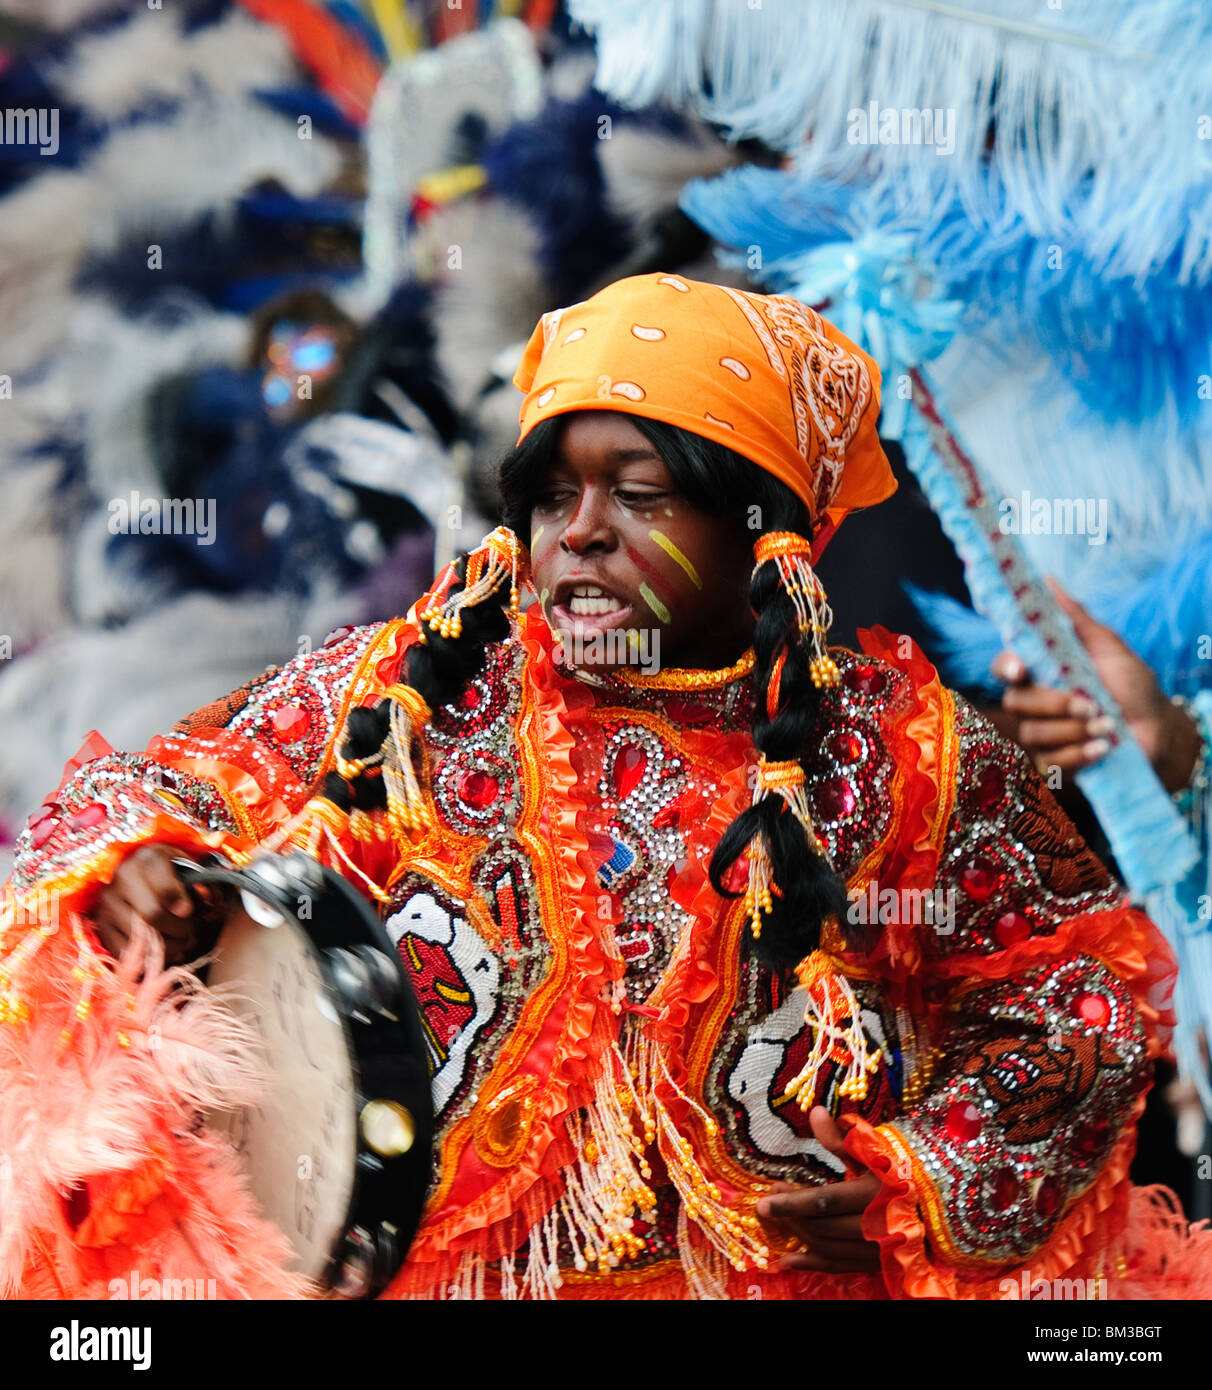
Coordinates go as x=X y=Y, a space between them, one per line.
x=438 y=669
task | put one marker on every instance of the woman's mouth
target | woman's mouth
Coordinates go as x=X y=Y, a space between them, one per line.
x=588 y=601
x=588 y=605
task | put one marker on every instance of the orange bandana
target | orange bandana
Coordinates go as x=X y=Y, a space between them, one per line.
x=762 y=374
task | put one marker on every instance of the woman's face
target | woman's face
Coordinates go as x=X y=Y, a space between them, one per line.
x=627 y=570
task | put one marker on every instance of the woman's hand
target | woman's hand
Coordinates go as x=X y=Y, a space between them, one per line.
x=148 y=886
x=827 y=1221
x=1069 y=732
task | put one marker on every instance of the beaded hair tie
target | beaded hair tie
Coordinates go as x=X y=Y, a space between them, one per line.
x=392 y=760
x=497 y=556
x=792 y=555
x=785 y=779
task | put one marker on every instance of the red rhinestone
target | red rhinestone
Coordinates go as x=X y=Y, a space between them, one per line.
x=1092 y=1008
x=1048 y=1198
x=629 y=765
x=836 y=799
x=470 y=698
x=86 y=817
x=845 y=747
x=1012 y=927
x=989 y=790
x=963 y=1121
x=672 y=872
x=290 y=723
x=865 y=679
x=979 y=880
x=478 y=790
x=1004 y=1189
x=47 y=810
x=1091 y=1138
x=338 y=634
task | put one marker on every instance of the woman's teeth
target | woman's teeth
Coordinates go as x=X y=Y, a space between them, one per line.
x=589 y=602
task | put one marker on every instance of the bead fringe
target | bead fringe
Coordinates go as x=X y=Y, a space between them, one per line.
x=833 y=1014
x=407 y=813
x=493 y=560
x=812 y=614
x=607 y=1187
x=785 y=779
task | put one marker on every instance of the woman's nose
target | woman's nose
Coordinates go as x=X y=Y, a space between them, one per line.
x=589 y=525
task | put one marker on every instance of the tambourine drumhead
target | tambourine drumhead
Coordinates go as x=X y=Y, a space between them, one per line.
x=299 y=1145
x=338 y=1148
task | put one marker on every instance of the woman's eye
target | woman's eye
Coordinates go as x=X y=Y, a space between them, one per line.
x=548 y=500
x=639 y=499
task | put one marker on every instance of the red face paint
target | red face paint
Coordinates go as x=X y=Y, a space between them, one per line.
x=649 y=572
x=539 y=558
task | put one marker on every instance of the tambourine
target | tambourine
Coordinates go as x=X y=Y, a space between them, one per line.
x=338 y=1147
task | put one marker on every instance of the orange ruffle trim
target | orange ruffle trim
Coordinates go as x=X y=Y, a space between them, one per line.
x=488 y=1210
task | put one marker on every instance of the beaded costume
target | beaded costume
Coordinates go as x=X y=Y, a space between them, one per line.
x=610 y=1064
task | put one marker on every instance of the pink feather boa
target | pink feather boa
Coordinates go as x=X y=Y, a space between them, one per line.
x=105 y=1167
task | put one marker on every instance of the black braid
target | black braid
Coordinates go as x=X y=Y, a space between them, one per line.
x=438 y=670
x=441 y=668
x=809 y=891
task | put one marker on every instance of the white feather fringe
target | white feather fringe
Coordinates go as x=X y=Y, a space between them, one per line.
x=149 y=180
x=495 y=298
x=151 y=57
x=136 y=681
x=645 y=170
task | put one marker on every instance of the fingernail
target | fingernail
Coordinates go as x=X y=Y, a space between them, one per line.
x=1098 y=749
x=1082 y=707
x=1013 y=668
x=1104 y=724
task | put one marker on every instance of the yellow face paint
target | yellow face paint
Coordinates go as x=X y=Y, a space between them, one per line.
x=675 y=554
x=654 y=603
x=534 y=540
x=543 y=597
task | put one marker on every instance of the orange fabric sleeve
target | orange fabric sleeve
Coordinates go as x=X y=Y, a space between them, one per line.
x=1038 y=998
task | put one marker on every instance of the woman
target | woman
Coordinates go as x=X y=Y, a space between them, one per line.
x=604 y=884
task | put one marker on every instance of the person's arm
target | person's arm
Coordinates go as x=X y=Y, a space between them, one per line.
x=1044 y=999
x=227 y=776
x=106 y=1063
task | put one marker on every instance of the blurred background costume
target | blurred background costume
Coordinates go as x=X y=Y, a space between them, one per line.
x=616 y=1088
